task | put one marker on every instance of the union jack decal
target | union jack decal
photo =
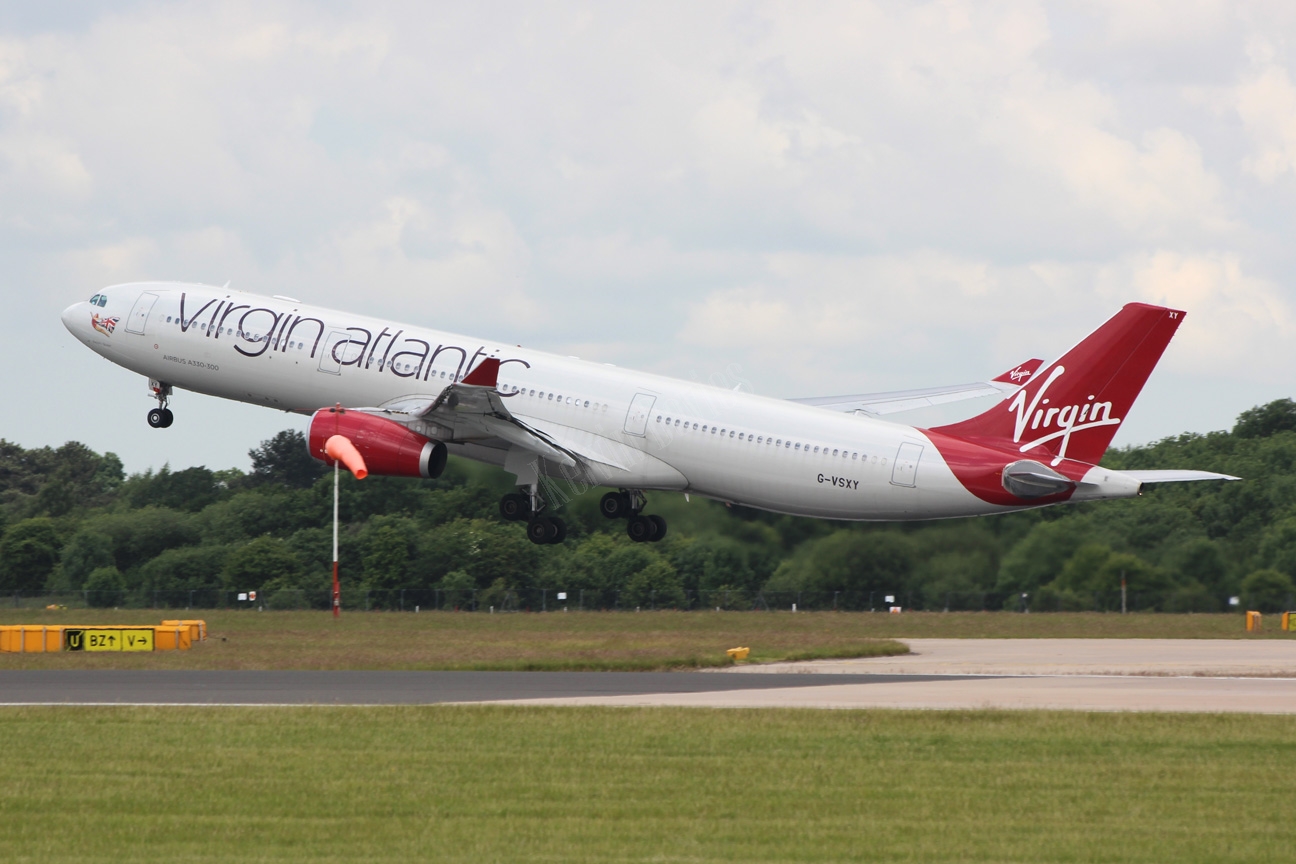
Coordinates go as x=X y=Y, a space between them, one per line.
x=105 y=326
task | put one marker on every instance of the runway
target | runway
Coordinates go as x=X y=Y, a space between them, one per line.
x=121 y=687
x=1248 y=676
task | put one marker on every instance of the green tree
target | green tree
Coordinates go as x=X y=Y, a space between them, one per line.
x=285 y=460
x=850 y=562
x=264 y=563
x=1040 y=556
x=656 y=585
x=178 y=571
x=1265 y=420
x=191 y=489
x=140 y=535
x=105 y=587
x=1267 y=590
x=28 y=553
x=87 y=551
x=491 y=552
x=387 y=552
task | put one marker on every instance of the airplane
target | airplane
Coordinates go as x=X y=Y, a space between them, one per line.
x=407 y=397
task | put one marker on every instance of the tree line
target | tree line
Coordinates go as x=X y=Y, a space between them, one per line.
x=72 y=523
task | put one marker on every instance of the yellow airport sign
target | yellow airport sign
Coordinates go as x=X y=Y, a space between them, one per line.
x=116 y=639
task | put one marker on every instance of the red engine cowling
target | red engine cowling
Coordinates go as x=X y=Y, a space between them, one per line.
x=388 y=448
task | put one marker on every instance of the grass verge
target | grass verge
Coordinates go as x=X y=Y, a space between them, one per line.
x=472 y=783
x=595 y=641
x=590 y=641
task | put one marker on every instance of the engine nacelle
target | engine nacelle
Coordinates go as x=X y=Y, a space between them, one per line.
x=389 y=449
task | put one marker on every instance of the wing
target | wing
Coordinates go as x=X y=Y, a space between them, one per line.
x=472 y=409
x=878 y=404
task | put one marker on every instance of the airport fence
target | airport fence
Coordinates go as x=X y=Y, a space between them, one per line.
x=574 y=600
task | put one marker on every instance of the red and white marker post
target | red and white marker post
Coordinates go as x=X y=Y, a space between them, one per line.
x=340 y=449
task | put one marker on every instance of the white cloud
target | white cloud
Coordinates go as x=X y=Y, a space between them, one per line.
x=856 y=194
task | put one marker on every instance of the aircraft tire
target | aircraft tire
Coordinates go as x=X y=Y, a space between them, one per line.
x=515 y=507
x=156 y=418
x=615 y=505
x=660 y=524
x=539 y=530
x=167 y=418
x=641 y=529
x=559 y=530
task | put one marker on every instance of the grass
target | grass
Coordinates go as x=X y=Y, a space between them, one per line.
x=446 y=640
x=584 y=640
x=481 y=784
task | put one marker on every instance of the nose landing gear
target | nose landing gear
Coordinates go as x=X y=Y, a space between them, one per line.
x=629 y=504
x=161 y=416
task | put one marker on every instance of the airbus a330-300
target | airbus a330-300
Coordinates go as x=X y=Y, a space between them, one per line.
x=406 y=397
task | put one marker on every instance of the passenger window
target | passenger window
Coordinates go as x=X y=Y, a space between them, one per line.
x=798 y=446
x=694 y=427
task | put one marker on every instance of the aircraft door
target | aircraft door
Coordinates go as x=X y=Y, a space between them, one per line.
x=905 y=470
x=334 y=352
x=636 y=422
x=140 y=313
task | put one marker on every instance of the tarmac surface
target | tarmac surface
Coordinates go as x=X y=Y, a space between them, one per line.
x=170 y=687
x=1196 y=675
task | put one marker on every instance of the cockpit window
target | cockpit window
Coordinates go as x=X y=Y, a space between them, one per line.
x=99 y=300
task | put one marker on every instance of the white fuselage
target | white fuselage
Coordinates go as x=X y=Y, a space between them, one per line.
x=650 y=432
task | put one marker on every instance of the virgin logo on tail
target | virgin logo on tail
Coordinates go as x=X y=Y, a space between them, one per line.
x=1054 y=421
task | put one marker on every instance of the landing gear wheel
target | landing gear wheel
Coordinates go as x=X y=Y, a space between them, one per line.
x=515 y=507
x=544 y=530
x=538 y=530
x=156 y=418
x=641 y=529
x=660 y=524
x=167 y=418
x=615 y=505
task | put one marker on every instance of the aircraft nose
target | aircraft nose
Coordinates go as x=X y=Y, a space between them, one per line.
x=71 y=315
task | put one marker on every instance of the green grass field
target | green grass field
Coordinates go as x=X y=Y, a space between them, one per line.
x=583 y=640
x=487 y=784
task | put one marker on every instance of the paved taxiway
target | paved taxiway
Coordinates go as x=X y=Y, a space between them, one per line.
x=122 y=687
x=1252 y=676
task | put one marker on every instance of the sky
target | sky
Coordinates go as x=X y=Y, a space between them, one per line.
x=802 y=198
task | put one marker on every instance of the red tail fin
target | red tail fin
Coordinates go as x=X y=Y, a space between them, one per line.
x=1071 y=408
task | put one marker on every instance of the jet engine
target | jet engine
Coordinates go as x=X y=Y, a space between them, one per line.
x=388 y=448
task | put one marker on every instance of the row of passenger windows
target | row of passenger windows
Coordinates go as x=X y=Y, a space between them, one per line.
x=760 y=439
x=574 y=401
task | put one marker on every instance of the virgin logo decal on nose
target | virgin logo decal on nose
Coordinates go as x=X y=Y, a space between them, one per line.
x=105 y=326
x=1056 y=422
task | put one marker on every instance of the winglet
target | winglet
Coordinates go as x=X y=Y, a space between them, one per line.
x=1020 y=373
x=485 y=375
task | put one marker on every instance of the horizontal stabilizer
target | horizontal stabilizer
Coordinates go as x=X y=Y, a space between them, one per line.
x=879 y=404
x=1176 y=476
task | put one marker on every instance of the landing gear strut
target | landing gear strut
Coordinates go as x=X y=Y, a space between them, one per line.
x=542 y=530
x=629 y=504
x=161 y=416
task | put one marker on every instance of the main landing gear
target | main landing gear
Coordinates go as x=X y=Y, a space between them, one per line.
x=161 y=416
x=542 y=530
x=629 y=504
